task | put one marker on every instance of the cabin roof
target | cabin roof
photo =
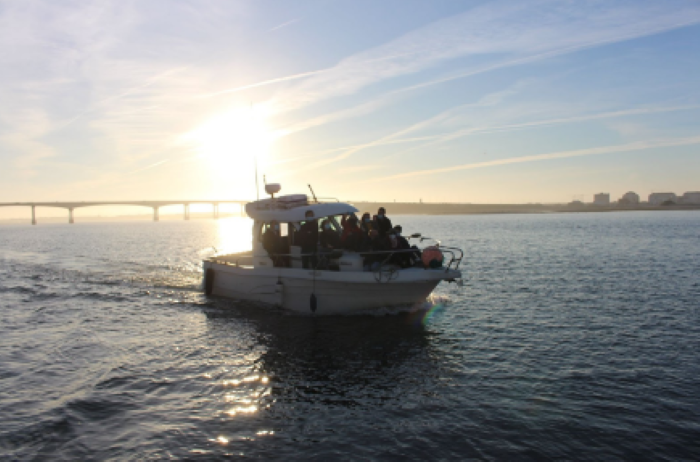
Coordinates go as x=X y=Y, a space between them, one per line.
x=268 y=210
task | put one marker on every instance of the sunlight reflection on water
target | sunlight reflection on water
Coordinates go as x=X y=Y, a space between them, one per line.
x=234 y=235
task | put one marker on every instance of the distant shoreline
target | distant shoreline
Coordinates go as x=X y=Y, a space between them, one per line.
x=393 y=208
x=404 y=208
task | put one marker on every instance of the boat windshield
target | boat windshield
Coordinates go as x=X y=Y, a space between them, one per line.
x=335 y=221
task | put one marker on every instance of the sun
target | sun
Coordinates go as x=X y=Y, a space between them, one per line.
x=233 y=140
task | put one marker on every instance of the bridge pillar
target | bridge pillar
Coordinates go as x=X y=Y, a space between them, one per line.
x=187 y=211
x=215 y=210
x=155 y=213
x=33 y=214
x=70 y=215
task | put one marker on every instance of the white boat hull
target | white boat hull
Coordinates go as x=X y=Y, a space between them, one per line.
x=336 y=292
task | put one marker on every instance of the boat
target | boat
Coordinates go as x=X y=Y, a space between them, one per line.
x=333 y=283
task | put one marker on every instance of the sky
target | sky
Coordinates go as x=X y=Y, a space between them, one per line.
x=440 y=101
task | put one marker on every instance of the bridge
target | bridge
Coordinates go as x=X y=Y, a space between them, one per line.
x=155 y=205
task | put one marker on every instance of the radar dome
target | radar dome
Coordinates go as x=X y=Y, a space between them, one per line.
x=273 y=188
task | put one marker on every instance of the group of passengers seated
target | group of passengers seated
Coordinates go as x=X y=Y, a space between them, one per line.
x=374 y=237
x=378 y=236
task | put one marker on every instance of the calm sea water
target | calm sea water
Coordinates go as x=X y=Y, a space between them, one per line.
x=575 y=336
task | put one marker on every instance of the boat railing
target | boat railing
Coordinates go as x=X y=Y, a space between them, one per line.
x=455 y=256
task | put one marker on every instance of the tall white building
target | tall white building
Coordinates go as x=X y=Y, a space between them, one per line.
x=601 y=199
x=631 y=198
x=660 y=198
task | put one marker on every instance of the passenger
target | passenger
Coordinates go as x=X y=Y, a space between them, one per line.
x=276 y=245
x=330 y=240
x=366 y=224
x=382 y=223
x=329 y=237
x=396 y=242
x=352 y=235
x=372 y=262
x=307 y=238
x=403 y=244
x=345 y=220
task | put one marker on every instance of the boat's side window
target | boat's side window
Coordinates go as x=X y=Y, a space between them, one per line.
x=335 y=223
x=284 y=227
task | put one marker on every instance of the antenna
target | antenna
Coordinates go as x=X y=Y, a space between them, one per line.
x=313 y=194
x=257 y=188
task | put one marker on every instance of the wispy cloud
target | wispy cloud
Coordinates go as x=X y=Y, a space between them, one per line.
x=510 y=32
x=355 y=149
x=542 y=123
x=637 y=146
x=399 y=135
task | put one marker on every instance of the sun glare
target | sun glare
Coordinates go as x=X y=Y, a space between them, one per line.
x=233 y=140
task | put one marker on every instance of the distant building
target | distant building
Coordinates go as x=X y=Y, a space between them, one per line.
x=692 y=197
x=660 y=198
x=601 y=199
x=629 y=198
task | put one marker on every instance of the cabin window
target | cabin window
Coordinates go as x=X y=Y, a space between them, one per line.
x=335 y=221
x=284 y=230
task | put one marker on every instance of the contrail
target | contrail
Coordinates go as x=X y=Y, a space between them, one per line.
x=265 y=82
x=149 y=167
x=637 y=146
x=284 y=24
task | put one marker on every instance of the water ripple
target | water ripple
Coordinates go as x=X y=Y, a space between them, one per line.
x=574 y=337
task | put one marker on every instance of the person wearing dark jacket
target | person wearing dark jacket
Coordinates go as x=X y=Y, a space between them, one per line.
x=275 y=244
x=307 y=238
x=374 y=244
x=403 y=244
x=382 y=223
x=401 y=258
x=366 y=224
x=329 y=237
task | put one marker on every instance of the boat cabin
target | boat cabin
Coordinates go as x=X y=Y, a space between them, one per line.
x=290 y=212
